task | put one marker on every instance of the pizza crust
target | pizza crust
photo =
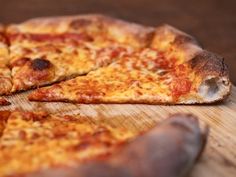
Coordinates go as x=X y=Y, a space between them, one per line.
x=215 y=85
x=211 y=68
x=178 y=43
x=116 y=29
x=169 y=149
x=127 y=32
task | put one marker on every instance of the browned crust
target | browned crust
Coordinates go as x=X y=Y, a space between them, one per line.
x=201 y=61
x=170 y=149
x=4 y=102
x=132 y=32
x=212 y=66
x=33 y=98
x=205 y=64
x=168 y=38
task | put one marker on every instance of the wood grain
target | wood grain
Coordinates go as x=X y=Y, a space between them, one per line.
x=219 y=158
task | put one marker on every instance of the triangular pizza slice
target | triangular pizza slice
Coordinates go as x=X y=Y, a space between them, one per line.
x=174 y=70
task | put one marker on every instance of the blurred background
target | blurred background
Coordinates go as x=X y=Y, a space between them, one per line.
x=212 y=22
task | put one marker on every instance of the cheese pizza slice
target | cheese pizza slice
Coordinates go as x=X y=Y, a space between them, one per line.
x=174 y=70
x=48 y=50
x=32 y=141
x=37 y=144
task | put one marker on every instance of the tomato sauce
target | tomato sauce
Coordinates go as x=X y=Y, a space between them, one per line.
x=181 y=86
x=50 y=37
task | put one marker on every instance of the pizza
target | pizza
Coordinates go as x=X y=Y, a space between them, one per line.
x=43 y=144
x=31 y=141
x=106 y=60
x=61 y=48
x=173 y=70
x=4 y=102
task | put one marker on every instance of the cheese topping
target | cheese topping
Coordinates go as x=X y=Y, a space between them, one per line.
x=34 y=141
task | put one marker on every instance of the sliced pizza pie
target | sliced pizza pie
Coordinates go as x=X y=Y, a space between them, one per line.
x=47 y=50
x=39 y=144
x=174 y=70
x=124 y=62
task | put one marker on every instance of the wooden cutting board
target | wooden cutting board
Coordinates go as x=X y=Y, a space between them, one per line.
x=219 y=158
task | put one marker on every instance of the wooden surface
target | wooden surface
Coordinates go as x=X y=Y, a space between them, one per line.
x=219 y=158
x=212 y=22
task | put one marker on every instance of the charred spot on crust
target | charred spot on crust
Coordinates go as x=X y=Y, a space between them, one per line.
x=76 y=24
x=40 y=64
x=209 y=63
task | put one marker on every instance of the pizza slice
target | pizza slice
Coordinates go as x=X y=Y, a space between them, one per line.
x=5 y=72
x=174 y=70
x=32 y=141
x=48 y=50
x=36 y=144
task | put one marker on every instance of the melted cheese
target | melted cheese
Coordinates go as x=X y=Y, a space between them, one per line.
x=146 y=76
x=33 y=141
x=69 y=55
